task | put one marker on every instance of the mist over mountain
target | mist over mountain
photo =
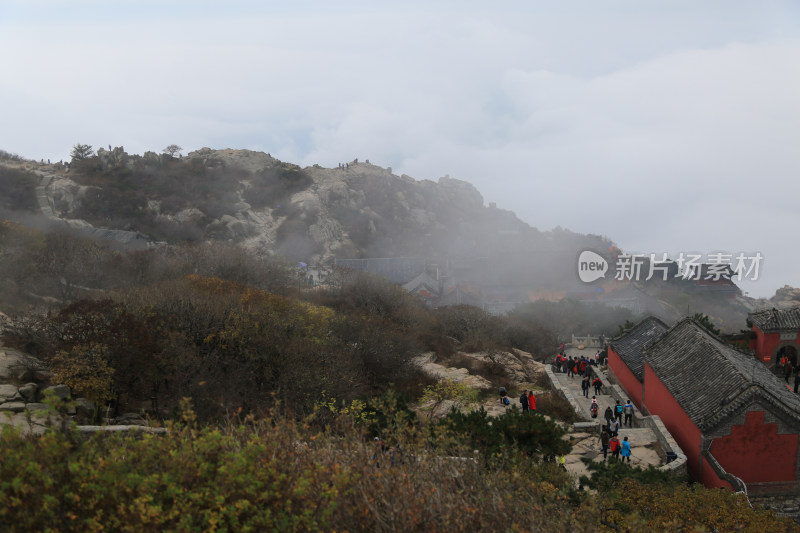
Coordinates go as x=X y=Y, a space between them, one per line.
x=468 y=252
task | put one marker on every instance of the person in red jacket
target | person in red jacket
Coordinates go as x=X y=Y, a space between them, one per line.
x=531 y=401
x=615 y=446
x=597 y=383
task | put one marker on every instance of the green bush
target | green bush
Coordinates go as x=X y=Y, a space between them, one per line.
x=18 y=190
x=191 y=480
x=505 y=435
x=605 y=476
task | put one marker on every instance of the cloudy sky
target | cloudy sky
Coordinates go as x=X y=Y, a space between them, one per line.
x=667 y=126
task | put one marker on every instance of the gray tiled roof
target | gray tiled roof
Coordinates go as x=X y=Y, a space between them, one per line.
x=629 y=344
x=776 y=319
x=424 y=279
x=711 y=380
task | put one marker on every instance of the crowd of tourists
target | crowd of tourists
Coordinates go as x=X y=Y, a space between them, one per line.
x=609 y=442
x=614 y=417
x=581 y=367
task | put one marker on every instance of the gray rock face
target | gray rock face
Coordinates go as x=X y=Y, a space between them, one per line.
x=457 y=375
x=331 y=205
x=65 y=194
x=786 y=297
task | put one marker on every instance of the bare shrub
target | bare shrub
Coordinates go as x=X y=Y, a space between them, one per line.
x=553 y=404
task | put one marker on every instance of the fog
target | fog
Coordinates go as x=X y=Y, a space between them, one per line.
x=668 y=128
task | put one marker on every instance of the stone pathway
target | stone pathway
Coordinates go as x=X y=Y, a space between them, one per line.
x=645 y=449
x=574 y=384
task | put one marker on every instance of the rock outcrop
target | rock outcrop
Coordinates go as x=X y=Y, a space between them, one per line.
x=314 y=212
x=786 y=297
x=24 y=406
x=457 y=375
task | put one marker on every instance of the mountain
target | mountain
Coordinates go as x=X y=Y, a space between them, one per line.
x=437 y=237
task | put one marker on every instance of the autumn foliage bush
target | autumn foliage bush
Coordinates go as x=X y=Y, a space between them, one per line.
x=276 y=474
x=265 y=475
x=224 y=344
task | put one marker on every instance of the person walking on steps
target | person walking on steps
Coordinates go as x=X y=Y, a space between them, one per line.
x=613 y=427
x=626 y=450
x=597 y=383
x=627 y=409
x=608 y=415
x=523 y=400
x=614 y=445
x=604 y=440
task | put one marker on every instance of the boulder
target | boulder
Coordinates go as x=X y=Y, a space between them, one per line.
x=458 y=375
x=130 y=419
x=60 y=391
x=14 y=407
x=84 y=411
x=28 y=392
x=8 y=392
x=35 y=426
x=188 y=215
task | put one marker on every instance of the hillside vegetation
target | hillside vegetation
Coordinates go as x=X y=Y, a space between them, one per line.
x=274 y=390
x=275 y=474
x=228 y=328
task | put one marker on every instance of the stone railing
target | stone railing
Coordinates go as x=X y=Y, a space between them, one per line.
x=132 y=429
x=737 y=484
x=588 y=341
x=675 y=458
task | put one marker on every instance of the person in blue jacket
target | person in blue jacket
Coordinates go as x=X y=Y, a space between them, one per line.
x=626 y=450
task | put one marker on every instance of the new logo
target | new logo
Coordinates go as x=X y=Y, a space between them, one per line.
x=591 y=266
